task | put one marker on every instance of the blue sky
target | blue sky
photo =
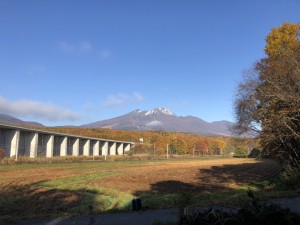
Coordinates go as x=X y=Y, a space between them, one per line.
x=75 y=62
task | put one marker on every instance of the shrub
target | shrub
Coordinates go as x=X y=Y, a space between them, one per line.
x=142 y=149
x=291 y=178
x=240 y=152
x=265 y=154
x=252 y=214
x=255 y=153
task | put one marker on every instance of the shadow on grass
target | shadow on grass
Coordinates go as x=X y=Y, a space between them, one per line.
x=30 y=201
x=216 y=185
x=241 y=174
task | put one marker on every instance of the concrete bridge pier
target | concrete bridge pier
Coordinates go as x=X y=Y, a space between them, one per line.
x=9 y=141
x=86 y=148
x=33 y=142
x=104 y=148
x=126 y=147
x=74 y=145
x=14 y=144
x=63 y=146
x=112 y=148
x=120 y=149
x=96 y=148
x=49 y=139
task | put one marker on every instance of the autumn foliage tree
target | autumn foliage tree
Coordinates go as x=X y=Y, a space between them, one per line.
x=268 y=99
x=157 y=142
x=283 y=40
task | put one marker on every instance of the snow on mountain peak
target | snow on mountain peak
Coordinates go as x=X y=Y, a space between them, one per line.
x=159 y=110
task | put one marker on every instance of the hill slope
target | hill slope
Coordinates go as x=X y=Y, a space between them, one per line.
x=162 y=119
x=9 y=120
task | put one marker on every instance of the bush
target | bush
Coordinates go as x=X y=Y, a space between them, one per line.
x=291 y=178
x=252 y=214
x=142 y=149
x=265 y=154
x=255 y=153
x=240 y=152
x=266 y=215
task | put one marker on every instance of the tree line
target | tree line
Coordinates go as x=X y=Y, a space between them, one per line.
x=157 y=142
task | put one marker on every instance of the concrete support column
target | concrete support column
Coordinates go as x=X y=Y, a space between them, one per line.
x=75 y=147
x=113 y=148
x=120 y=149
x=14 y=144
x=33 y=144
x=18 y=142
x=86 y=148
x=96 y=148
x=49 y=146
x=104 y=148
x=64 y=146
x=126 y=147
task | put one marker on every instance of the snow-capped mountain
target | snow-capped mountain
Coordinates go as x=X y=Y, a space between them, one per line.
x=158 y=111
x=163 y=119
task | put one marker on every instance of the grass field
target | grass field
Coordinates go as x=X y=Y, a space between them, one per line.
x=38 y=191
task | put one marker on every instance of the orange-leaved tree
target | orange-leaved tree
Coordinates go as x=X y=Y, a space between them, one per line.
x=268 y=99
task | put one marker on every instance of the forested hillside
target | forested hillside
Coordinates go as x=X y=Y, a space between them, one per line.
x=156 y=142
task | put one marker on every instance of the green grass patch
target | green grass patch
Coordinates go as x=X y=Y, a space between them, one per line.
x=73 y=182
x=102 y=199
x=77 y=167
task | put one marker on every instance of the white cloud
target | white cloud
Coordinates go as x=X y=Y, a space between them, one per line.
x=36 y=109
x=105 y=54
x=138 y=97
x=77 y=48
x=154 y=123
x=122 y=99
x=117 y=100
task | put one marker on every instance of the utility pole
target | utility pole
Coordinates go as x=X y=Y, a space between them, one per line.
x=167 y=151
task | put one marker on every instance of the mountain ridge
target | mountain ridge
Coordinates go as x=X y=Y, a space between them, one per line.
x=163 y=119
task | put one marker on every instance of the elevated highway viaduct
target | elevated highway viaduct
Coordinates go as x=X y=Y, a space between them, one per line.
x=20 y=141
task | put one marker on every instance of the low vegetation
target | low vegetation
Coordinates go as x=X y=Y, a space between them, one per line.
x=253 y=213
x=33 y=191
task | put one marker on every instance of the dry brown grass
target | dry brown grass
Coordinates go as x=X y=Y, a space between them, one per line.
x=25 y=195
x=195 y=176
